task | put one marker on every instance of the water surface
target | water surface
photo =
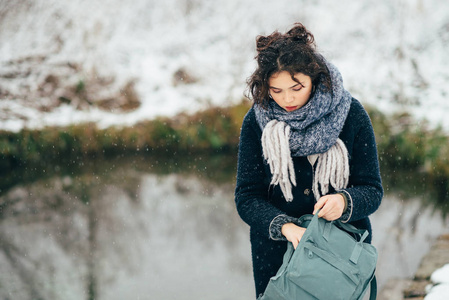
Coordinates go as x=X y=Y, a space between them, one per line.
x=151 y=228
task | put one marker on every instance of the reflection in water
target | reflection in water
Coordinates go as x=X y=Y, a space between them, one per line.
x=126 y=235
x=126 y=232
x=403 y=232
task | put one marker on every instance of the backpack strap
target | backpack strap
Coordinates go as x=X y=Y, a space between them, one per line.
x=373 y=289
x=349 y=228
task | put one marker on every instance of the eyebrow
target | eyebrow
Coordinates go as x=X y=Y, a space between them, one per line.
x=299 y=83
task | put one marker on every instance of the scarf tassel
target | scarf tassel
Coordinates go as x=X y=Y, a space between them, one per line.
x=332 y=167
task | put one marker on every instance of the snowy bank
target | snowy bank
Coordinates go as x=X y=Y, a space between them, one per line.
x=391 y=53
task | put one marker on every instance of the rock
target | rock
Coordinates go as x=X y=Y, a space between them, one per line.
x=436 y=258
x=416 y=289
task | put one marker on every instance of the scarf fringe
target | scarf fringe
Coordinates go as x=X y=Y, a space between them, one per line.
x=332 y=169
x=276 y=151
x=332 y=166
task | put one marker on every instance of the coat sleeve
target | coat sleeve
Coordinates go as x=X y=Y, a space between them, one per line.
x=364 y=192
x=251 y=192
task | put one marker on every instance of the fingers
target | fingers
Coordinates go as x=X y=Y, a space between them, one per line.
x=297 y=238
x=331 y=216
x=327 y=211
x=331 y=206
x=320 y=203
x=295 y=244
x=293 y=233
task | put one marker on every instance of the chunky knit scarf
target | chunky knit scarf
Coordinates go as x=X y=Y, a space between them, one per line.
x=311 y=131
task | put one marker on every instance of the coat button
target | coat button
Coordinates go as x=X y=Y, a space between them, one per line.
x=307 y=192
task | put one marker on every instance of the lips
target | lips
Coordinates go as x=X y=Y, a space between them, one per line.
x=290 y=108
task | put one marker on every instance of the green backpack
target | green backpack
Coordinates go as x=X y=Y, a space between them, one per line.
x=332 y=261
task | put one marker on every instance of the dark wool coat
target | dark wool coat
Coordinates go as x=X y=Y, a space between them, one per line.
x=258 y=203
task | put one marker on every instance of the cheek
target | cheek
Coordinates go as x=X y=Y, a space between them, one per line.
x=306 y=95
x=277 y=98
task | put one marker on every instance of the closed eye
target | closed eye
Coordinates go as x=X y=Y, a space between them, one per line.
x=297 y=87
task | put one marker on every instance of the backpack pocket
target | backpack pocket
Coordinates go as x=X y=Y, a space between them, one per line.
x=323 y=275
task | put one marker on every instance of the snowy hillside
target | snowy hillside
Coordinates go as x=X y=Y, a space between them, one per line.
x=115 y=62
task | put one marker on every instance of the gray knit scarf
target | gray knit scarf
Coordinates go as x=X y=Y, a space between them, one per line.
x=311 y=131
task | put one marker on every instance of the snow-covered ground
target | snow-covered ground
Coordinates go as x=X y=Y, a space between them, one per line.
x=440 y=289
x=392 y=54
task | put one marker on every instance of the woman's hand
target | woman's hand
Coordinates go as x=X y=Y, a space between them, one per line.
x=293 y=233
x=332 y=207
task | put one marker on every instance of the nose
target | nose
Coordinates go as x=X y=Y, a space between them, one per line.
x=288 y=98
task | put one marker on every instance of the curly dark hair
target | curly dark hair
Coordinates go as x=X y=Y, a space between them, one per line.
x=294 y=52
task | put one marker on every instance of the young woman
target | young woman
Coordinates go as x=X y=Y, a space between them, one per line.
x=305 y=145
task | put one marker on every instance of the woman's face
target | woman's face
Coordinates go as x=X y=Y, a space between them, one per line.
x=289 y=94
